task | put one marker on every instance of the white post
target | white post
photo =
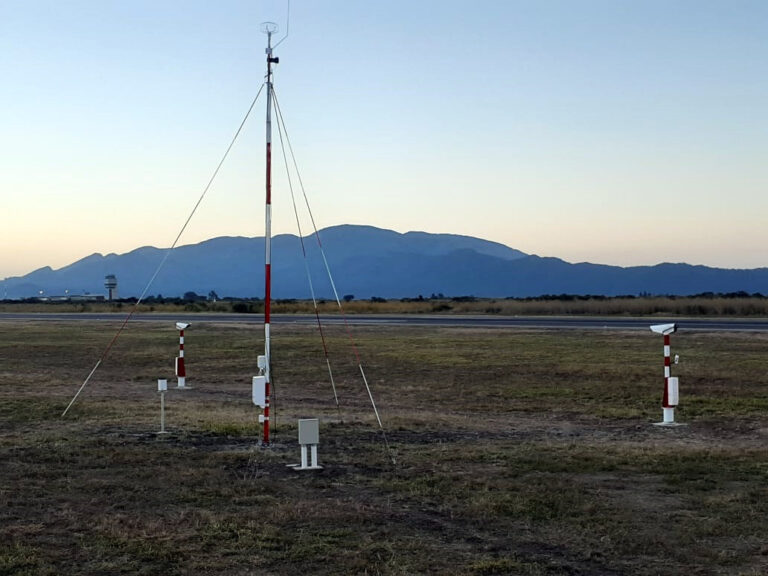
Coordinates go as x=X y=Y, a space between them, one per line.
x=162 y=387
x=162 y=412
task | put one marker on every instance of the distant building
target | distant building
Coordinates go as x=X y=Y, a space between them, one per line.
x=71 y=298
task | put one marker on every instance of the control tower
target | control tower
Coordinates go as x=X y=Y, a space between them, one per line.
x=110 y=283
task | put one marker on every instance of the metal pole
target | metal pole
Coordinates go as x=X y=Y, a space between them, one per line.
x=162 y=412
x=268 y=238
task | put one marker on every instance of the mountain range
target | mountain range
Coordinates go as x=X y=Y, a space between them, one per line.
x=367 y=262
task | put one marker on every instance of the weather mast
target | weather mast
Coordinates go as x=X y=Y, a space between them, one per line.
x=263 y=386
x=269 y=28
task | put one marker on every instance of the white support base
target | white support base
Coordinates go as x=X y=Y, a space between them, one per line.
x=183 y=383
x=669 y=418
x=669 y=415
x=303 y=465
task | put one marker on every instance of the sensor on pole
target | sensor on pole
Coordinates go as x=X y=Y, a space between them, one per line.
x=671 y=396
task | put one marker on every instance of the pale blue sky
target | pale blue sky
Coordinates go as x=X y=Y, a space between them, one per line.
x=612 y=131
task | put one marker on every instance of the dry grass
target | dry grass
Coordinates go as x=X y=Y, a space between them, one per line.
x=517 y=452
x=732 y=305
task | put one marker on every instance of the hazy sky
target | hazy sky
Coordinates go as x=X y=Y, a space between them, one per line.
x=612 y=131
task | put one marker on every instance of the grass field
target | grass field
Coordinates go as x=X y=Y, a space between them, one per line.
x=516 y=452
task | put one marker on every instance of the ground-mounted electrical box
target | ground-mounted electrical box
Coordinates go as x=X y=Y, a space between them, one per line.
x=309 y=431
x=259 y=391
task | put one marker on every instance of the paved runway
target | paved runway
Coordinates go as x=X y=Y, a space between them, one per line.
x=509 y=322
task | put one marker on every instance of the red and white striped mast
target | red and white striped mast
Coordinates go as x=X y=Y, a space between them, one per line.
x=670 y=397
x=181 y=372
x=269 y=28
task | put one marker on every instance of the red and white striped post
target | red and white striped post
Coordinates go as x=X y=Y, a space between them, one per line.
x=269 y=28
x=670 y=397
x=181 y=372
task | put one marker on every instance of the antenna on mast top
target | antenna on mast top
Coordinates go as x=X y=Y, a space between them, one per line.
x=270 y=28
